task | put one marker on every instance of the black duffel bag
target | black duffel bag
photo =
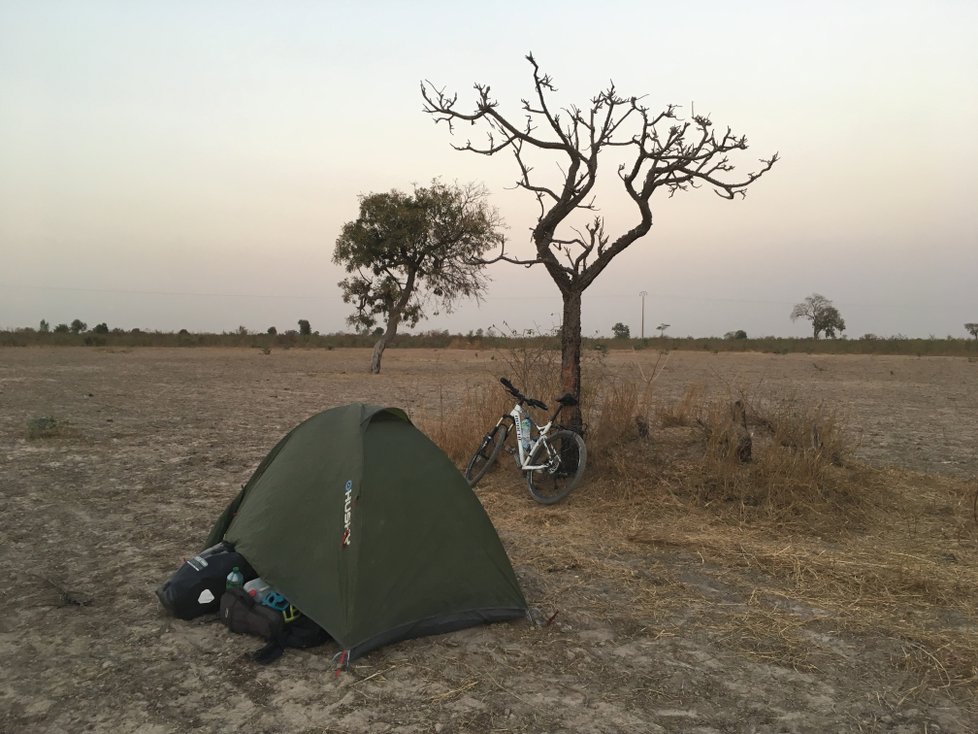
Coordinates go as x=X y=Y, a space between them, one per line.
x=242 y=614
x=198 y=584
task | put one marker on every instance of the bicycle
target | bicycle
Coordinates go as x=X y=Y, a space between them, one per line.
x=553 y=463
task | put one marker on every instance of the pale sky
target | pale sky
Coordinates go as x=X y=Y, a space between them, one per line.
x=190 y=164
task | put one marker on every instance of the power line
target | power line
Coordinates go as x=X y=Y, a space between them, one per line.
x=131 y=292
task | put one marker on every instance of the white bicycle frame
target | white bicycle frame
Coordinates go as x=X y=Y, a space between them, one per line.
x=524 y=454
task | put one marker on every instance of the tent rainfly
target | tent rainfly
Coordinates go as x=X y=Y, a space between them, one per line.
x=368 y=528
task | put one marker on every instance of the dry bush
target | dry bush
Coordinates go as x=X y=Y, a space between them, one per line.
x=616 y=409
x=532 y=363
x=617 y=413
x=458 y=429
x=781 y=458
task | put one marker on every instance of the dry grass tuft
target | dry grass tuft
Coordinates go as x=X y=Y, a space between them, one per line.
x=682 y=412
x=48 y=427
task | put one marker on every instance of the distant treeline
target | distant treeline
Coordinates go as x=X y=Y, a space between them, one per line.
x=444 y=340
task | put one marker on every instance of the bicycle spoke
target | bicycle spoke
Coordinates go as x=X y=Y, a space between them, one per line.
x=563 y=456
x=485 y=456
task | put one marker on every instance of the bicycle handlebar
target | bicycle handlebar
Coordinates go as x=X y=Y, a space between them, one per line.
x=532 y=402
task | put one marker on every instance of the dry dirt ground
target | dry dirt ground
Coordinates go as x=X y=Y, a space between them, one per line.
x=665 y=622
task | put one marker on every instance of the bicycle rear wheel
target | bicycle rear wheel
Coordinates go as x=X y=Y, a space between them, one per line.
x=564 y=456
x=487 y=453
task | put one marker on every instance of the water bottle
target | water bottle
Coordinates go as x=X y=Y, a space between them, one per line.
x=235 y=579
x=525 y=421
x=257 y=589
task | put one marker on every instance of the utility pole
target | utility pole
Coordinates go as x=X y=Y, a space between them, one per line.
x=643 y=294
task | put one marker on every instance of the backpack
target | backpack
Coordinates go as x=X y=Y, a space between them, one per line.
x=242 y=614
x=196 y=587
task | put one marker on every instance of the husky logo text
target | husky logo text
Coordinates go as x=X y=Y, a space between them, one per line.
x=347 y=512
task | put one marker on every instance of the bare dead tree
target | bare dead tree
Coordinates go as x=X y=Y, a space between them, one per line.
x=660 y=152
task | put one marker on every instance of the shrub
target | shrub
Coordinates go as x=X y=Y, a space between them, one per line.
x=794 y=466
x=45 y=427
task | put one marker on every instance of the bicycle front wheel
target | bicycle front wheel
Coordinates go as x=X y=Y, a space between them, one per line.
x=563 y=455
x=487 y=453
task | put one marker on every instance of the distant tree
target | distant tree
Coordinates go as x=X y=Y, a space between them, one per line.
x=242 y=331
x=972 y=328
x=101 y=328
x=621 y=331
x=61 y=329
x=304 y=328
x=738 y=334
x=45 y=327
x=183 y=332
x=661 y=328
x=78 y=326
x=378 y=331
x=824 y=316
x=405 y=250
x=272 y=330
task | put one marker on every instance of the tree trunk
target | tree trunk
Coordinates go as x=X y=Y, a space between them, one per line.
x=570 y=358
x=382 y=343
x=393 y=319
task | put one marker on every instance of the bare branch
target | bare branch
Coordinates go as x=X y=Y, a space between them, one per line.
x=688 y=154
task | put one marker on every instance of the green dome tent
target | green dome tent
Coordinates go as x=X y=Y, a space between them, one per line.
x=369 y=529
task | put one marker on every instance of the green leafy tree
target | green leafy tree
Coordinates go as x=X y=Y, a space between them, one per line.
x=304 y=328
x=621 y=331
x=824 y=316
x=558 y=149
x=738 y=334
x=971 y=328
x=44 y=327
x=272 y=331
x=78 y=326
x=102 y=328
x=405 y=251
x=61 y=329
